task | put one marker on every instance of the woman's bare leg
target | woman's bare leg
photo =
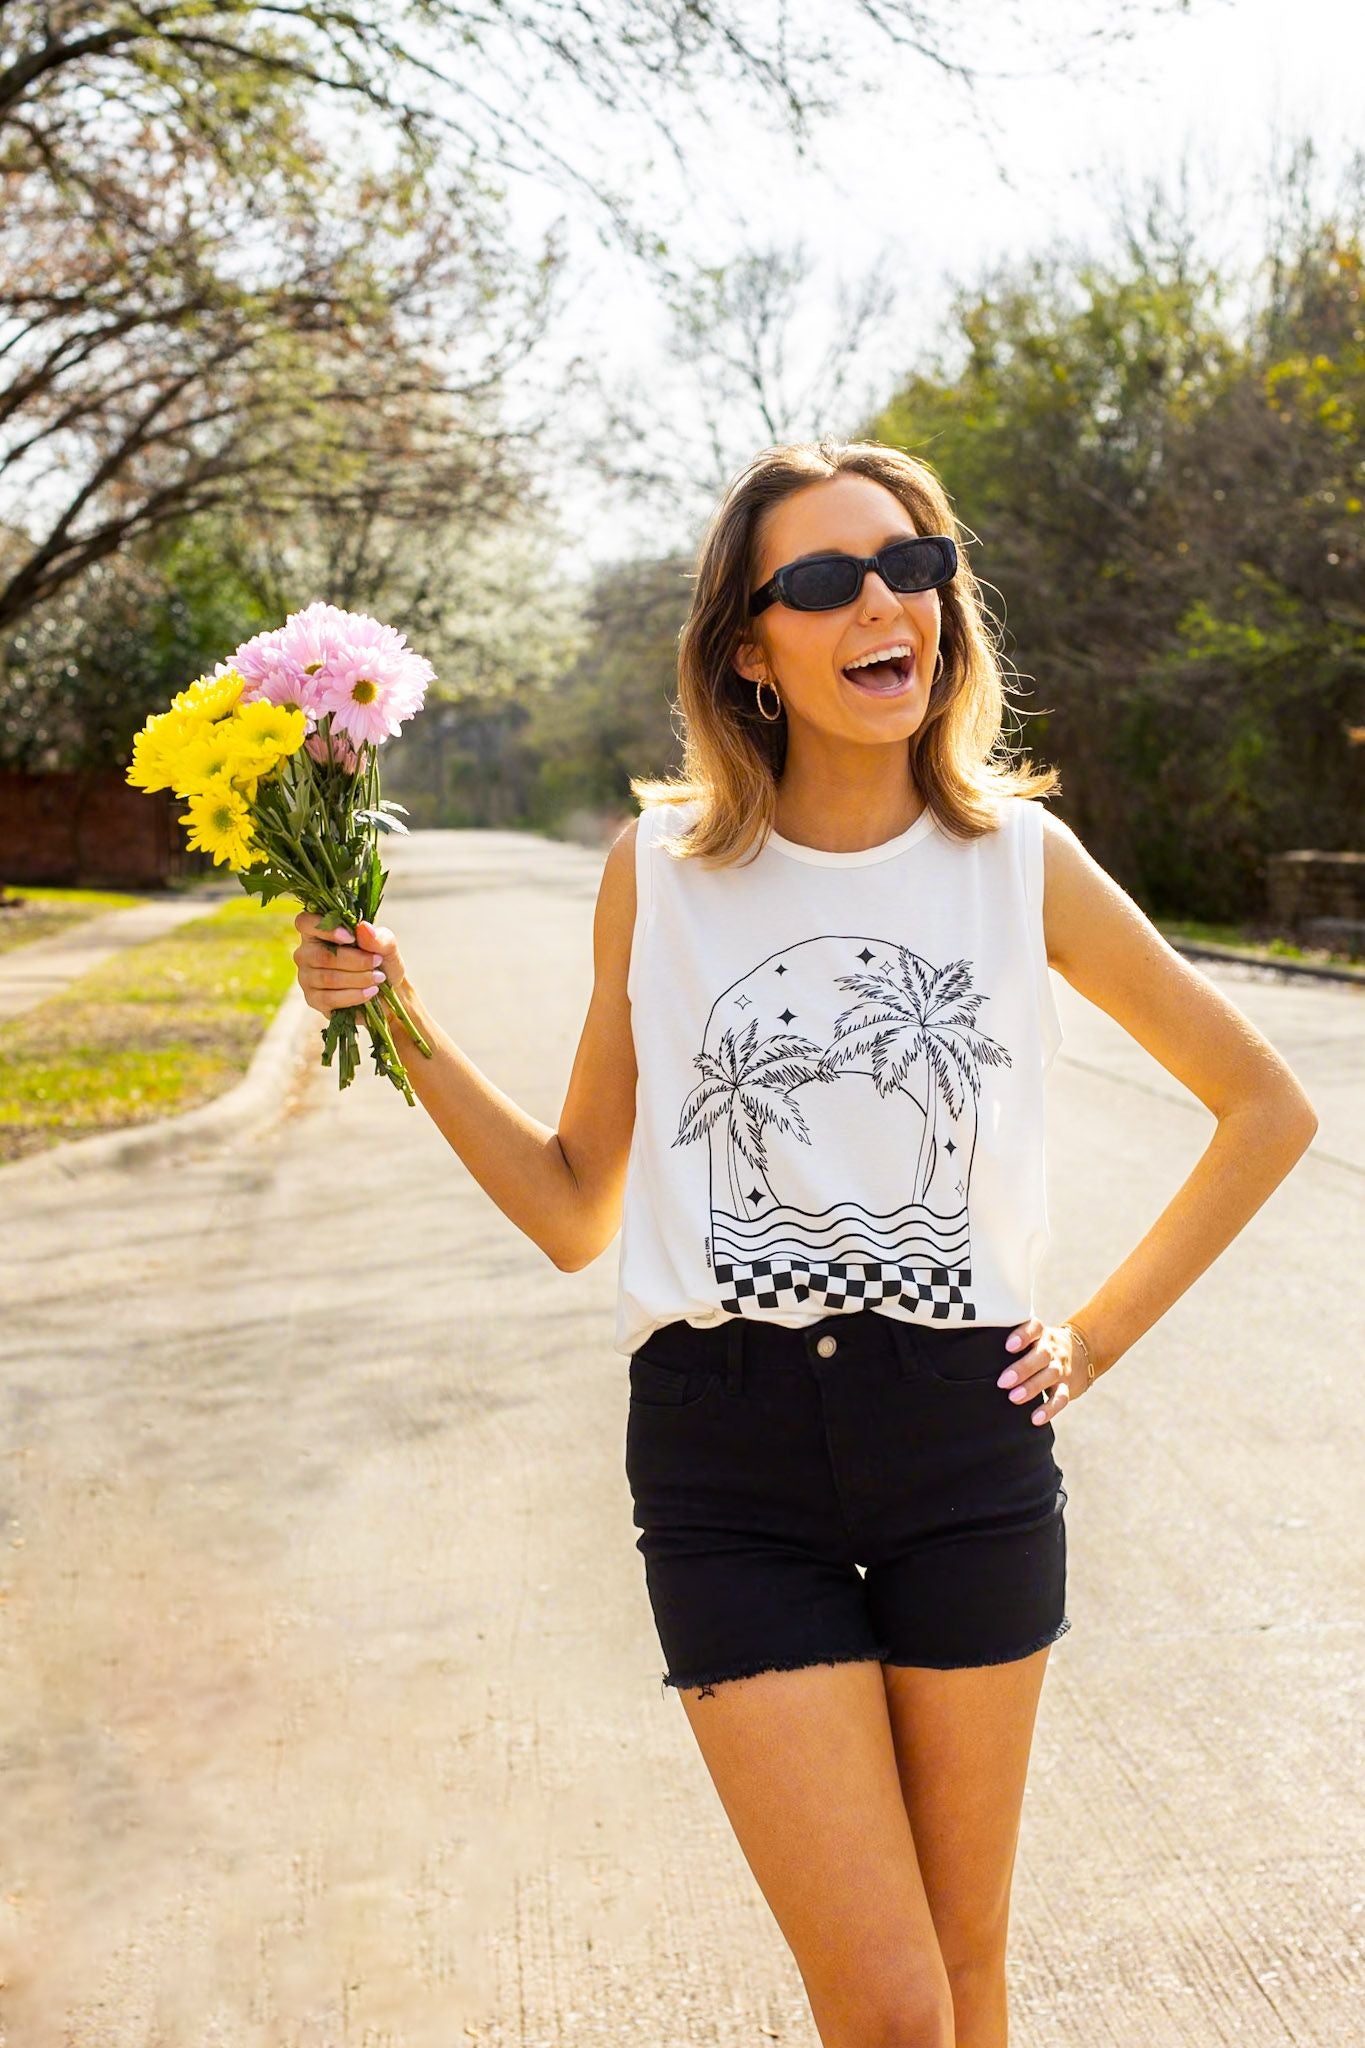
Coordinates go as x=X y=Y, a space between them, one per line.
x=806 y=1769
x=962 y=1741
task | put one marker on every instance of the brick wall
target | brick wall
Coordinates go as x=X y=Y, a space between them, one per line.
x=91 y=829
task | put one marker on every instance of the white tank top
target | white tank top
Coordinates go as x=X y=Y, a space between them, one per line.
x=841 y=1066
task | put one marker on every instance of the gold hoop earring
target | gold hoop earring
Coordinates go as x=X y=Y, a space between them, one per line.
x=768 y=684
x=938 y=667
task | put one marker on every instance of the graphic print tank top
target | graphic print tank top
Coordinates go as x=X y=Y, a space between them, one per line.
x=841 y=1069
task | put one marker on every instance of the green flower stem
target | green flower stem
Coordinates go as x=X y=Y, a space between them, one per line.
x=316 y=882
x=322 y=843
x=287 y=858
x=387 y=994
x=377 y=1025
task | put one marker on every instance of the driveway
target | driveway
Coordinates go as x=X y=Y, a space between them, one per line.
x=329 y=1693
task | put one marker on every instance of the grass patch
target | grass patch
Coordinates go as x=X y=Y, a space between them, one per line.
x=1252 y=939
x=44 y=911
x=150 y=1032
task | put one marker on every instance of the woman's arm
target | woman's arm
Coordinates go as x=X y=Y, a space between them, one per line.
x=562 y=1187
x=1101 y=942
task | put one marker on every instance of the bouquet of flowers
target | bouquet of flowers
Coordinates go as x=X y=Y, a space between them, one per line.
x=276 y=753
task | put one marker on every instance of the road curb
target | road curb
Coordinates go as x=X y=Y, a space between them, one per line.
x=1319 y=971
x=243 y=1110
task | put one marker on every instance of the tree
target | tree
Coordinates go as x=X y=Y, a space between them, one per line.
x=145 y=383
x=153 y=154
x=449 y=80
x=1169 y=504
x=729 y=342
x=612 y=710
x=85 y=670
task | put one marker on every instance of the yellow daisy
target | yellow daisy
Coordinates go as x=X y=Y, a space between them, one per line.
x=219 y=819
x=211 y=696
x=157 y=748
x=213 y=751
x=265 y=733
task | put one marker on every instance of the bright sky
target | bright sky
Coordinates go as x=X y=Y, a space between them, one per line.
x=902 y=185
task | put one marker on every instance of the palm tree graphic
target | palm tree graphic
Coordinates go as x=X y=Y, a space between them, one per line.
x=910 y=1015
x=749 y=1083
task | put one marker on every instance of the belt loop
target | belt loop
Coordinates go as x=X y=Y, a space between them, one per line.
x=734 y=1356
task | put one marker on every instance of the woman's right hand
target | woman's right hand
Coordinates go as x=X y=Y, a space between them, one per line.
x=338 y=970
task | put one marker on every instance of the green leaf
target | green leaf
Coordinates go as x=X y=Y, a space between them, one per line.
x=372 y=887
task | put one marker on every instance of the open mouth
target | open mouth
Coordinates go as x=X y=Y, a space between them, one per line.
x=881 y=678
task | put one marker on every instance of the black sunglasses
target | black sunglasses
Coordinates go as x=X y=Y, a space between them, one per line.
x=819 y=583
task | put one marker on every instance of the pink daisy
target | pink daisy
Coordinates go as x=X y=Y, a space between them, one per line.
x=373 y=681
x=311 y=639
x=272 y=674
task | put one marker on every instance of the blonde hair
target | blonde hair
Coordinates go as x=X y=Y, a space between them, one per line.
x=733 y=757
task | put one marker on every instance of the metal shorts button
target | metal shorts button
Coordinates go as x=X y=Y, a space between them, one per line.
x=827 y=1346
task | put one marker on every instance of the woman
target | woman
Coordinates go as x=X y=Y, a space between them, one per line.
x=809 y=1091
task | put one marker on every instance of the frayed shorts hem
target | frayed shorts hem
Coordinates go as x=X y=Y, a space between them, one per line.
x=706 y=1680
x=1053 y=1635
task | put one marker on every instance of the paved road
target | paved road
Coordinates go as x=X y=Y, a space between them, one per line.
x=30 y=974
x=329 y=1694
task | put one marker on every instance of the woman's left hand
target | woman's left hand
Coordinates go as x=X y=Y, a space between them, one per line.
x=1045 y=1361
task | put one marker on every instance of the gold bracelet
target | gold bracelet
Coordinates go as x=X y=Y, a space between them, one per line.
x=1085 y=1346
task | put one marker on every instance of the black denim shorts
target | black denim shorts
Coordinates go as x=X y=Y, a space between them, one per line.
x=768 y=1464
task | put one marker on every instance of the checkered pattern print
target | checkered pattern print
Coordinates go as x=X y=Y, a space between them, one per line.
x=835 y=1284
